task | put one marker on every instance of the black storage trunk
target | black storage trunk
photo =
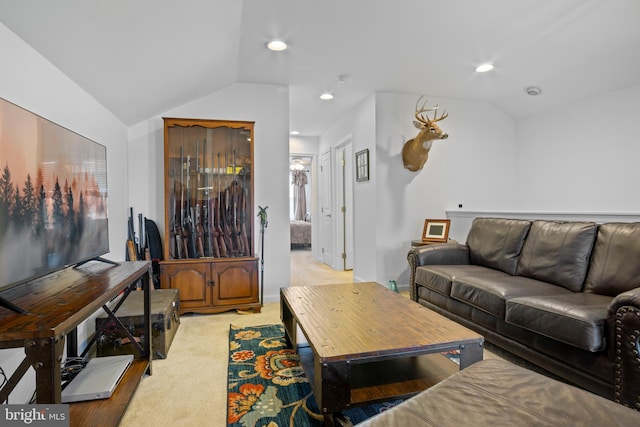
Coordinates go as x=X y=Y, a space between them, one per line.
x=165 y=318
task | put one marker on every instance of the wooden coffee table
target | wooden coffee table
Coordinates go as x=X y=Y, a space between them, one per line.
x=368 y=344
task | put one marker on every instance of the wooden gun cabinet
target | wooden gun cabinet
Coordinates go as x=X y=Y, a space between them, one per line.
x=209 y=233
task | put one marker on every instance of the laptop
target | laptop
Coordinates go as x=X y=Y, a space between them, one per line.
x=98 y=379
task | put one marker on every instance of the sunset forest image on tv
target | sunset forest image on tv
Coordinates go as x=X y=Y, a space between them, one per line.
x=53 y=196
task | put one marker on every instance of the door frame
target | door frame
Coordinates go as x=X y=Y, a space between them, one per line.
x=327 y=219
x=311 y=201
x=344 y=204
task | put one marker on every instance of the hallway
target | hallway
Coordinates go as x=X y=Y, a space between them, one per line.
x=307 y=271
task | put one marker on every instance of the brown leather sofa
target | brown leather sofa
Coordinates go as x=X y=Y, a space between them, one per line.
x=498 y=393
x=562 y=295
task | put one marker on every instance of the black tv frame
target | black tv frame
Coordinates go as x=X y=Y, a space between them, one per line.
x=53 y=199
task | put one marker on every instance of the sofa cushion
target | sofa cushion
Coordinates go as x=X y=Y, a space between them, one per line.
x=438 y=278
x=490 y=292
x=614 y=263
x=558 y=252
x=494 y=392
x=577 y=319
x=496 y=242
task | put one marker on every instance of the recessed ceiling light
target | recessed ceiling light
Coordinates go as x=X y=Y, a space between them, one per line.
x=326 y=96
x=342 y=78
x=294 y=132
x=277 y=45
x=483 y=68
x=533 y=91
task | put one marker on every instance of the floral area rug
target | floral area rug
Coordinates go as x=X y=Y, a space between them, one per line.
x=267 y=386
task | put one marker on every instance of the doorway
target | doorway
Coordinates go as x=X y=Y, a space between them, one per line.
x=309 y=268
x=300 y=194
x=300 y=201
x=336 y=206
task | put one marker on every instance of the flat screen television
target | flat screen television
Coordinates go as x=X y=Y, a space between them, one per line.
x=53 y=197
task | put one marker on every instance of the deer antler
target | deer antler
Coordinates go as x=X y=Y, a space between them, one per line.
x=442 y=117
x=422 y=109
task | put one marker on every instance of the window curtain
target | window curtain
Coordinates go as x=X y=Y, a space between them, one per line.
x=299 y=181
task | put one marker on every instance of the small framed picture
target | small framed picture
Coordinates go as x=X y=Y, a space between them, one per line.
x=436 y=230
x=362 y=165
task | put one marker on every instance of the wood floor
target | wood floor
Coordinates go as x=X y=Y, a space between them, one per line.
x=307 y=271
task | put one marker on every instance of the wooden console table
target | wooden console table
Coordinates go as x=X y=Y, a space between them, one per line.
x=56 y=304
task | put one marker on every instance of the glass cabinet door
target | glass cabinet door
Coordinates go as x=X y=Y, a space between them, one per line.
x=208 y=189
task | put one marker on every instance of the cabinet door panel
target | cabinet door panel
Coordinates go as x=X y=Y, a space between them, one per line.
x=192 y=280
x=235 y=282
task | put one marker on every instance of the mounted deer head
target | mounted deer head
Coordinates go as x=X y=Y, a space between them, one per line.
x=415 y=152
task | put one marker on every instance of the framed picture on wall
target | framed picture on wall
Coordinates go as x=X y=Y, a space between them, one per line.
x=362 y=165
x=436 y=230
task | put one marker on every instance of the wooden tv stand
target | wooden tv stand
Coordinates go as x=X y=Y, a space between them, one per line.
x=56 y=304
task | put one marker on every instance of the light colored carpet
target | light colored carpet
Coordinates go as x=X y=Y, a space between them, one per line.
x=189 y=388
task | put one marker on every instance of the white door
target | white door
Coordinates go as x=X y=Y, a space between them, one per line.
x=326 y=209
x=344 y=211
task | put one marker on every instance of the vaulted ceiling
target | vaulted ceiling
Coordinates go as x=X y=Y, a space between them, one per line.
x=141 y=58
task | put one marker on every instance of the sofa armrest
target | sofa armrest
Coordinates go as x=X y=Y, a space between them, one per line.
x=623 y=320
x=436 y=254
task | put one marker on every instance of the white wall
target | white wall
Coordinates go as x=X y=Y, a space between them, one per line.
x=461 y=220
x=304 y=145
x=474 y=167
x=583 y=157
x=30 y=81
x=359 y=123
x=575 y=163
x=268 y=107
